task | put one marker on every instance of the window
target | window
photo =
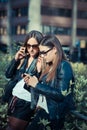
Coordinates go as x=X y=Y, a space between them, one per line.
x=82 y=14
x=3 y=1
x=81 y=32
x=56 y=11
x=20 y=12
x=46 y=29
x=3 y=14
x=3 y=31
x=56 y=30
x=62 y=31
x=19 y=29
x=83 y=0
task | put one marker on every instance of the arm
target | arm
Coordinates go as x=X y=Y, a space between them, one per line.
x=48 y=91
x=11 y=69
x=58 y=93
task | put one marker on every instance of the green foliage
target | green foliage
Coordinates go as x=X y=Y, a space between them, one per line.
x=45 y=123
x=3 y=106
x=80 y=71
x=3 y=111
x=4 y=60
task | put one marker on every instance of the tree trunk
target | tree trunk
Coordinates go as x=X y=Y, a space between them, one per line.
x=34 y=16
x=9 y=28
x=74 y=23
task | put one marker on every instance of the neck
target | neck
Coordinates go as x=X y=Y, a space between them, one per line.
x=30 y=60
x=31 y=57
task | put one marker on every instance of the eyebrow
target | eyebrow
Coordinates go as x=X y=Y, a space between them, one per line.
x=32 y=44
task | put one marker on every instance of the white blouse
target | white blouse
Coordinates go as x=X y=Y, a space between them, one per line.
x=20 y=92
x=42 y=103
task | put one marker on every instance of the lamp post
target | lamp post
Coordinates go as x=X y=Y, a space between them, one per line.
x=9 y=27
x=74 y=25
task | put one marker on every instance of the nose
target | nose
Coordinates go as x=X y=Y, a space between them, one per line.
x=42 y=55
x=31 y=48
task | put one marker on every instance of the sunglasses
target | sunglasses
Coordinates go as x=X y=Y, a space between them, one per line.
x=35 y=46
x=45 y=52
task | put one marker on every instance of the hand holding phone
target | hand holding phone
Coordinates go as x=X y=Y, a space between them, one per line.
x=25 y=76
x=20 y=54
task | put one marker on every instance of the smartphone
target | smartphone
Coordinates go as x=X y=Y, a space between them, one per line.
x=25 y=48
x=26 y=52
x=24 y=75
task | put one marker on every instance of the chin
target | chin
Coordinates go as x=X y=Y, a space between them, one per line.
x=32 y=55
x=47 y=61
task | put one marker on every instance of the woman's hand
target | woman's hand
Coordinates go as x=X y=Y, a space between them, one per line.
x=30 y=80
x=20 y=54
x=33 y=81
x=39 y=64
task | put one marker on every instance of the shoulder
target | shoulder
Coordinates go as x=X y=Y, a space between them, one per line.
x=65 y=64
x=65 y=68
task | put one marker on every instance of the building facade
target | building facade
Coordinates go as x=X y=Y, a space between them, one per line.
x=56 y=18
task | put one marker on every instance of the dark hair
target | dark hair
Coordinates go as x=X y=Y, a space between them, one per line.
x=35 y=34
x=52 y=41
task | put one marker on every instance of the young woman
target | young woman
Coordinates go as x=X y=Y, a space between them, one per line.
x=20 y=108
x=55 y=86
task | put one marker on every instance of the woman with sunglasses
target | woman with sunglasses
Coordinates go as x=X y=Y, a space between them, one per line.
x=20 y=108
x=55 y=86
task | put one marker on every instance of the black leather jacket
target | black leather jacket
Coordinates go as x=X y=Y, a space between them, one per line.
x=59 y=93
x=14 y=75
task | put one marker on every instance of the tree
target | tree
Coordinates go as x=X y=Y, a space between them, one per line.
x=9 y=27
x=34 y=16
x=74 y=23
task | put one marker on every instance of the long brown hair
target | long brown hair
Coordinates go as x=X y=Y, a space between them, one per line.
x=52 y=41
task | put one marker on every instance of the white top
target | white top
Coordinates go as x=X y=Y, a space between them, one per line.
x=20 y=92
x=42 y=103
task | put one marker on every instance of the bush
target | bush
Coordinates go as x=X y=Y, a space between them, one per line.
x=80 y=71
x=3 y=106
x=3 y=112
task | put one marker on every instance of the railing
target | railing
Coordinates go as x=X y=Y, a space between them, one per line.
x=78 y=115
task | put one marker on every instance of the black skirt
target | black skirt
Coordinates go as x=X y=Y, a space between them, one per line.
x=20 y=109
